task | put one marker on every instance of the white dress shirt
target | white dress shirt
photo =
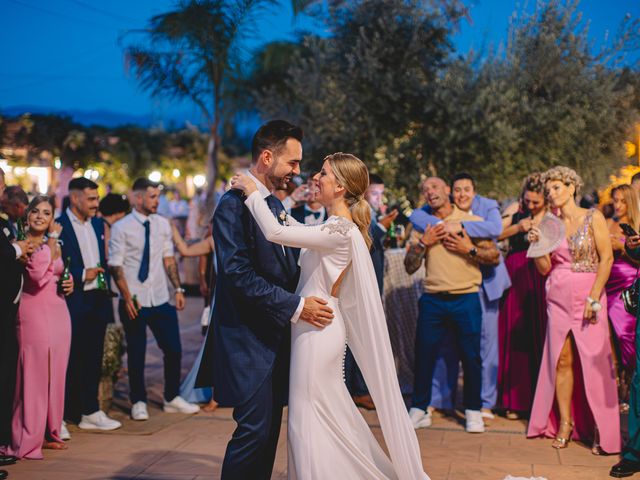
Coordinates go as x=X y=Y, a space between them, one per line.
x=89 y=249
x=264 y=192
x=126 y=247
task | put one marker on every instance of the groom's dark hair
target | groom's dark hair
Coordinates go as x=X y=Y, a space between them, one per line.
x=272 y=136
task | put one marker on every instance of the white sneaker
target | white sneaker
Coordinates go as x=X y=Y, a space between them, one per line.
x=474 y=421
x=420 y=418
x=98 y=421
x=180 y=405
x=64 y=433
x=139 y=411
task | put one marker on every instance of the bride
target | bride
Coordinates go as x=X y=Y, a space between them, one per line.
x=328 y=438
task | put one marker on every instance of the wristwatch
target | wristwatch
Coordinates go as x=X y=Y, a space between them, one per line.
x=180 y=290
x=473 y=252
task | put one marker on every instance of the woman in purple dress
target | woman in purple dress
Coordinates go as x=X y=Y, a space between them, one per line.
x=44 y=338
x=623 y=272
x=523 y=319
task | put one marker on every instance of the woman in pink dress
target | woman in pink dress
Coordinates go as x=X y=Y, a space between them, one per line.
x=577 y=365
x=522 y=322
x=44 y=338
x=623 y=272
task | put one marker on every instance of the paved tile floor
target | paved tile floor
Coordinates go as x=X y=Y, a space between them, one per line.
x=180 y=447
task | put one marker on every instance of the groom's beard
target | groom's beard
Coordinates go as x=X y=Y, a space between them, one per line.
x=279 y=183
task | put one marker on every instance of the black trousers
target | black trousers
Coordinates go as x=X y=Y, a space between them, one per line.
x=8 y=365
x=252 y=449
x=353 y=376
x=90 y=314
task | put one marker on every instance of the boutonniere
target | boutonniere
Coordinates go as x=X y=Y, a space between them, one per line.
x=6 y=232
x=284 y=217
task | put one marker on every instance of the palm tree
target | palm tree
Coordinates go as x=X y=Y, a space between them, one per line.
x=195 y=53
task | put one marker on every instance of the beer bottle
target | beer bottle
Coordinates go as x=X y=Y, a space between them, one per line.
x=21 y=234
x=393 y=241
x=136 y=305
x=66 y=275
x=102 y=282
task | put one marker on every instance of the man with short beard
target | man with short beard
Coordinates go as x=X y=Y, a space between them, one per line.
x=495 y=282
x=450 y=300
x=246 y=356
x=83 y=243
x=13 y=255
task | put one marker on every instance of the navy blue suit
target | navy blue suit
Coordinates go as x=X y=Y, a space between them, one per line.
x=90 y=312
x=246 y=356
x=10 y=283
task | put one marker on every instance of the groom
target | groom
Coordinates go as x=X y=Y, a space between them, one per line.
x=246 y=356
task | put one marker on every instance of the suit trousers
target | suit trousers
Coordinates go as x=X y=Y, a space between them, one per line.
x=445 y=377
x=90 y=312
x=353 y=376
x=437 y=314
x=8 y=367
x=163 y=322
x=252 y=448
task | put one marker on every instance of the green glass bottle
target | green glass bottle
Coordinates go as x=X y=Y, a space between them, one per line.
x=21 y=234
x=66 y=275
x=393 y=241
x=102 y=282
x=136 y=305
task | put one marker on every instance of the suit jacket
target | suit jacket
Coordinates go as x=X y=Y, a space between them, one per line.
x=299 y=214
x=12 y=269
x=252 y=308
x=377 y=234
x=495 y=280
x=71 y=249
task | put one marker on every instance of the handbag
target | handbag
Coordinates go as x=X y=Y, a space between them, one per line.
x=630 y=296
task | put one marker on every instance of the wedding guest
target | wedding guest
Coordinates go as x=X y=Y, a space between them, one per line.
x=523 y=315
x=188 y=390
x=13 y=203
x=44 y=336
x=378 y=232
x=310 y=212
x=495 y=280
x=451 y=286
x=113 y=207
x=635 y=183
x=83 y=244
x=14 y=254
x=577 y=337
x=630 y=461
x=141 y=259
x=623 y=272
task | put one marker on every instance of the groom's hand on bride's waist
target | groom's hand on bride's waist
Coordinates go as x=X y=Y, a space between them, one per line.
x=316 y=312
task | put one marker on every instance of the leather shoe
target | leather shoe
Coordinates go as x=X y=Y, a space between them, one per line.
x=7 y=460
x=364 y=401
x=624 y=468
x=3 y=474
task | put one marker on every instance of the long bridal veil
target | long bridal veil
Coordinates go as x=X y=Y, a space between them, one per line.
x=368 y=339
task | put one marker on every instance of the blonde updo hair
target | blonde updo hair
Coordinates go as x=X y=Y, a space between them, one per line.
x=566 y=175
x=352 y=174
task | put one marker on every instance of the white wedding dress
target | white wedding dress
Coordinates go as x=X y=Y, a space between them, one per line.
x=328 y=437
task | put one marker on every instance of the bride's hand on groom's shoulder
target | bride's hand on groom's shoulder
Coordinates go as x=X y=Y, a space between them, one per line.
x=316 y=312
x=243 y=182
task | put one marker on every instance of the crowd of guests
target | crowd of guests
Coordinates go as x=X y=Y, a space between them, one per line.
x=543 y=337
x=56 y=302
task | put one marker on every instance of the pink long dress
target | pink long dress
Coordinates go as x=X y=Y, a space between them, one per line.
x=44 y=338
x=595 y=397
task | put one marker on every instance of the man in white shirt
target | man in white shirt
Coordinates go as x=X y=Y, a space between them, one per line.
x=83 y=249
x=141 y=258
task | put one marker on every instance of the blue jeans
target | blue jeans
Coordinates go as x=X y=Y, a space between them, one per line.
x=438 y=313
x=163 y=322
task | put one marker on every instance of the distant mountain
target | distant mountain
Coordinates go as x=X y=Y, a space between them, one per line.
x=106 y=118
